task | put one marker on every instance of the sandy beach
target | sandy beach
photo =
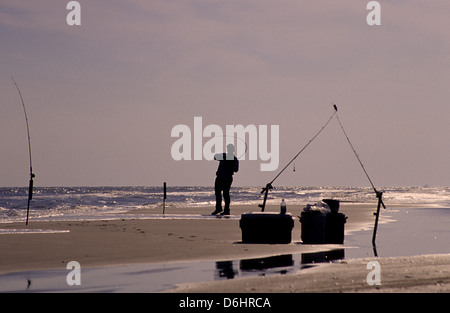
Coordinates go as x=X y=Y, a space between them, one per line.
x=128 y=241
x=133 y=240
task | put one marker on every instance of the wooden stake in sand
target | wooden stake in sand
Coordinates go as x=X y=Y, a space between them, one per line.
x=164 y=198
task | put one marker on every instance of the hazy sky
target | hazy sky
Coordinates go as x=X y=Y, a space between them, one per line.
x=103 y=97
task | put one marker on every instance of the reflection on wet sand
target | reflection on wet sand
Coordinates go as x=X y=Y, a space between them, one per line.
x=274 y=265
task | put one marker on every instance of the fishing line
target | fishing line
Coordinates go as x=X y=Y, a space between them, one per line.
x=312 y=139
x=30 y=186
x=354 y=151
x=269 y=186
x=379 y=194
x=242 y=140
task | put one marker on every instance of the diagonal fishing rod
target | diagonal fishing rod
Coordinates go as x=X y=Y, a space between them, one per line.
x=30 y=186
x=379 y=194
x=238 y=139
x=269 y=185
x=354 y=151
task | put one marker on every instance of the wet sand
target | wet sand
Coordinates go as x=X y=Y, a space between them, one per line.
x=426 y=273
x=134 y=240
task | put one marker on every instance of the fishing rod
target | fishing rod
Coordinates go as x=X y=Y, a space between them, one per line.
x=30 y=186
x=379 y=194
x=237 y=139
x=269 y=186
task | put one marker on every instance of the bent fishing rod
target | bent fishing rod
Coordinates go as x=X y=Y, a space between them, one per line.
x=269 y=186
x=379 y=194
x=30 y=186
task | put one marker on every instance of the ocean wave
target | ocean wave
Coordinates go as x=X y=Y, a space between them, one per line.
x=95 y=201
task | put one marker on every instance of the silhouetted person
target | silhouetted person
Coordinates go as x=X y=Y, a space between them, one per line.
x=228 y=165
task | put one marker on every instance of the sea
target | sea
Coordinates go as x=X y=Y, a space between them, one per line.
x=68 y=203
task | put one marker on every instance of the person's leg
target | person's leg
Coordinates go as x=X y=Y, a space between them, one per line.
x=226 y=195
x=218 y=192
